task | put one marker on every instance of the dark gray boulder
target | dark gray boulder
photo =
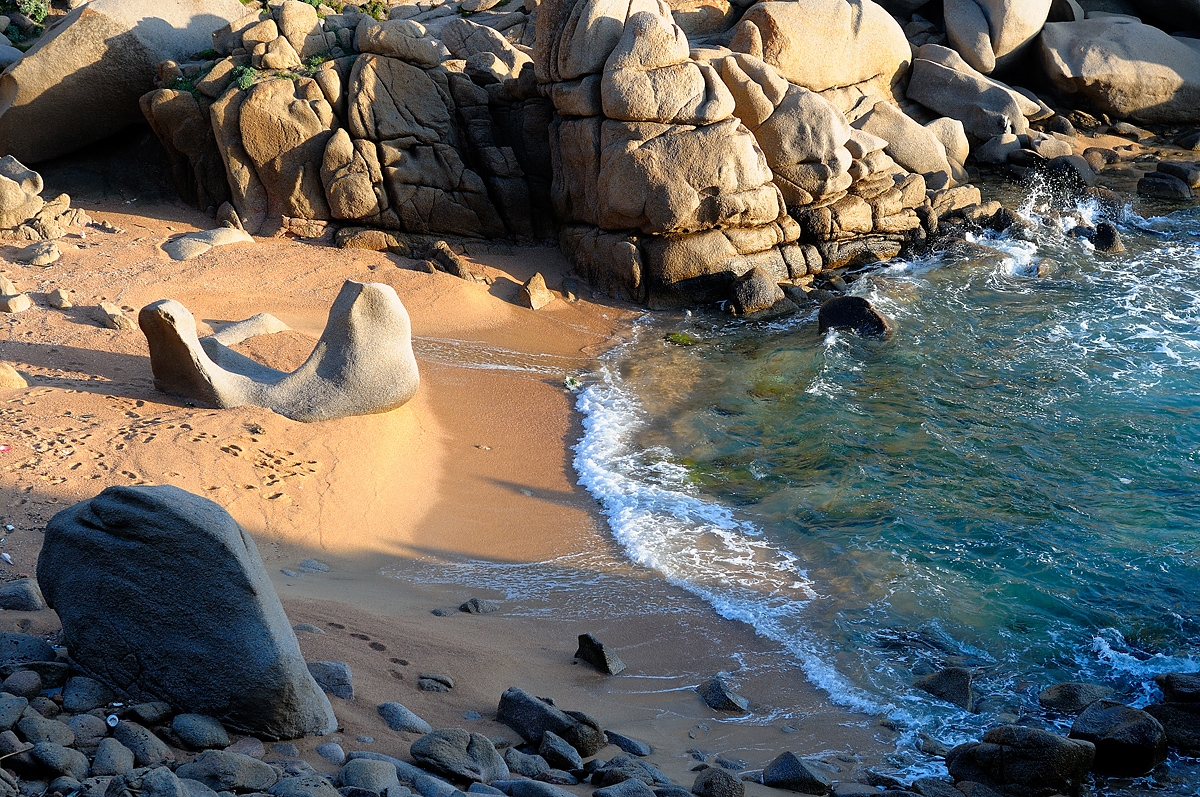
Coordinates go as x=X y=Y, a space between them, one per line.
x=716 y=782
x=478 y=606
x=194 y=788
x=146 y=782
x=952 y=684
x=530 y=788
x=597 y=654
x=1030 y=762
x=459 y=754
x=717 y=694
x=112 y=758
x=23 y=683
x=854 y=314
x=621 y=768
x=333 y=677
x=11 y=710
x=1178 y=687
x=21 y=595
x=789 y=771
x=1072 y=697
x=83 y=694
x=557 y=753
x=531 y=717
x=223 y=771
x=198 y=626
x=400 y=719
x=1181 y=721
x=35 y=729
x=1129 y=742
x=309 y=785
x=525 y=764
x=61 y=760
x=626 y=788
x=200 y=732
x=89 y=729
x=373 y=776
x=627 y=744
x=756 y=291
x=934 y=787
x=1164 y=186
x=147 y=748
x=20 y=648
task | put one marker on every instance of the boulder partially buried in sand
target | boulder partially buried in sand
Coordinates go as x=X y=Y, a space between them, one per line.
x=163 y=596
x=363 y=363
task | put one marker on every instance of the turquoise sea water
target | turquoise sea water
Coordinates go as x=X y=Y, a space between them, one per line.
x=1011 y=482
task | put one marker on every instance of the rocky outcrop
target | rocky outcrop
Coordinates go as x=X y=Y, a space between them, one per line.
x=1127 y=69
x=163 y=596
x=26 y=216
x=1129 y=742
x=362 y=364
x=1024 y=761
x=993 y=34
x=943 y=82
x=71 y=74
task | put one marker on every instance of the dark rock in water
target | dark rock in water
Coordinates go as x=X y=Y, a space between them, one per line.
x=458 y=754
x=860 y=790
x=1107 y=238
x=716 y=782
x=853 y=313
x=1026 y=761
x=112 y=758
x=969 y=788
x=1072 y=697
x=224 y=771
x=932 y=787
x=883 y=780
x=789 y=771
x=333 y=677
x=628 y=745
x=202 y=733
x=61 y=760
x=400 y=719
x=304 y=786
x=1181 y=721
x=1178 y=687
x=524 y=764
x=717 y=694
x=557 y=753
x=1189 y=141
x=952 y=684
x=373 y=776
x=1026 y=158
x=531 y=717
x=147 y=748
x=477 y=606
x=1164 y=186
x=16 y=648
x=597 y=654
x=1071 y=172
x=23 y=683
x=626 y=788
x=198 y=625
x=1129 y=742
x=84 y=694
x=1189 y=173
x=21 y=595
x=755 y=291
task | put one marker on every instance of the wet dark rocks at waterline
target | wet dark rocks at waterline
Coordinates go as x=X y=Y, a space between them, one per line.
x=853 y=314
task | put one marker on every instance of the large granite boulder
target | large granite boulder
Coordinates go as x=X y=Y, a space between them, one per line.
x=1024 y=761
x=163 y=597
x=911 y=145
x=94 y=65
x=20 y=192
x=1129 y=742
x=1125 y=68
x=942 y=81
x=992 y=34
x=826 y=44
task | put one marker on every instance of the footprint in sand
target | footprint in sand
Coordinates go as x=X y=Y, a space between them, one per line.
x=338 y=626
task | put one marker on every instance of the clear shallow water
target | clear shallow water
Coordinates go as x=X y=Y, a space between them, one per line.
x=1012 y=482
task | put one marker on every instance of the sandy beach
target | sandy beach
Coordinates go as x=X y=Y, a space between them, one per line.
x=468 y=490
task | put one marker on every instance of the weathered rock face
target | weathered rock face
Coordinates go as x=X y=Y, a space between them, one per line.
x=94 y=65
x=1126 y=68
x=942 y=81
x=20 y=190
x=163 y=596
x=992 y=34
x=1024 y=761
x=827 y=44
x=1128 y=741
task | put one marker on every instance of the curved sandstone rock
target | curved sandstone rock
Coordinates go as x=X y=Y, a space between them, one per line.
x=992 y=34
x=163 y=596
x=362 y=364
x=71 y=74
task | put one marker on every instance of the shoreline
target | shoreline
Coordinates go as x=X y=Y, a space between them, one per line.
x=477 y=468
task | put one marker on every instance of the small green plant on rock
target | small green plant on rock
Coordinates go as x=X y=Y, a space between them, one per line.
x=243 y=76
x=34 y=9
x=376 y=8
